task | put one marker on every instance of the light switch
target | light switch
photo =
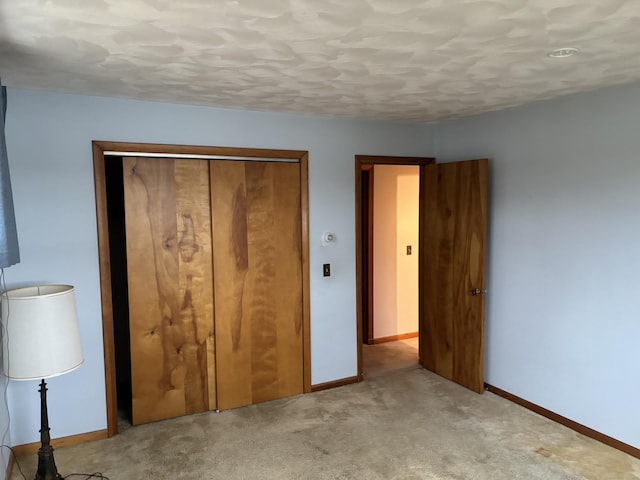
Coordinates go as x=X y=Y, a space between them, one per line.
x=408 y=249
x=326 y=270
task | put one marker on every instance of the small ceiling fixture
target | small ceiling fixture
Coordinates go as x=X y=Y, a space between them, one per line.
x=563 y=52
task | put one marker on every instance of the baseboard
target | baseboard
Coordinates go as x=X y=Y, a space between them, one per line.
x=10 y=465
x=336 y=383
x=578 y=427
x=394 y=338
x=29 y=448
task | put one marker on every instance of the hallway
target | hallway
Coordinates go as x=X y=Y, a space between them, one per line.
x=389 y=357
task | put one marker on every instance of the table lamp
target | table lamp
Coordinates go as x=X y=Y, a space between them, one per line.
x=40 y=340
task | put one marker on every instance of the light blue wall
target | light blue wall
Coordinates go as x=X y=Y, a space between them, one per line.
x=563 y=306
x=49 y=144
x=563 y=319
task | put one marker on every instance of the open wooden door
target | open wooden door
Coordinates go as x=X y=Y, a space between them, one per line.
x=453 y=223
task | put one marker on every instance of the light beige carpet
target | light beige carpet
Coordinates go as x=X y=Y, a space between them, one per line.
x=408 y=426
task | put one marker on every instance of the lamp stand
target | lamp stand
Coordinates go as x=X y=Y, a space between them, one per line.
x=46 y=464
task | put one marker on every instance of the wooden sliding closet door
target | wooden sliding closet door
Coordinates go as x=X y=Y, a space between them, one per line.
x=169 y=265
x=258 y=280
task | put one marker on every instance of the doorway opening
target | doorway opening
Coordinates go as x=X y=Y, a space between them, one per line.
x=388 y=201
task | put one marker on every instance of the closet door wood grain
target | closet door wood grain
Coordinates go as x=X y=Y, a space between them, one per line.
x=258 y=280
x=169 y=266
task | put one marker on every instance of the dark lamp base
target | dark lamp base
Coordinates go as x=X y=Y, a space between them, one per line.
x=46 y=464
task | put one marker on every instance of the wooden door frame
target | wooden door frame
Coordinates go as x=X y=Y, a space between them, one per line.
x=99 y=149
x=363 y=161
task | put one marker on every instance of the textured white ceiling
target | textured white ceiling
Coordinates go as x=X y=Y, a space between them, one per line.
x=392 y=59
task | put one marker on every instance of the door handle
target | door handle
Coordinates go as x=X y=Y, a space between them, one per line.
x=477 y=292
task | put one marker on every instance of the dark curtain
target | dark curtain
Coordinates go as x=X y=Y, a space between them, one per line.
x=9 y=252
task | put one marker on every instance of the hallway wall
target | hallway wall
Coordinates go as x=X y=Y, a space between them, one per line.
x=395 y=225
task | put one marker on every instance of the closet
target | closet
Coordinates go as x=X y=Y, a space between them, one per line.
x=216 y=276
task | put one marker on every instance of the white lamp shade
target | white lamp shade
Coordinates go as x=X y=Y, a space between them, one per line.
x=40 y=336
